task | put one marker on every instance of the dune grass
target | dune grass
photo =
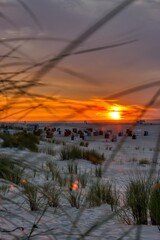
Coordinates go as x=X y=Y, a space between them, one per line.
x=11 y=170
x=51 y=193
x=154 y=204
x=20 y=140
x=101 y=193
x=75 y=152
x=31 y=195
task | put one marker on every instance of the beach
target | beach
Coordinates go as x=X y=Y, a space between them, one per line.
x=126 y=157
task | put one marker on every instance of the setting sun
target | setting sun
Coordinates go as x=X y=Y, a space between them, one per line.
x=115 y=112
x=115 y=115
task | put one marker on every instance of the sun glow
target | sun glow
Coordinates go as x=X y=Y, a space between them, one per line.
x=115 y=113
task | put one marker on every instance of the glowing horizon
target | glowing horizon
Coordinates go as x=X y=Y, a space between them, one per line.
x=59 y=109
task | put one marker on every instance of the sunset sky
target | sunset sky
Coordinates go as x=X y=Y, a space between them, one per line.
x=82 y=86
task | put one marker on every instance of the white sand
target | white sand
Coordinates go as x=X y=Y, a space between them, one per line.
x=119 y=168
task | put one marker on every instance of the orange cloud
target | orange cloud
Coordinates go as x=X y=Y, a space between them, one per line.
x=60 y=109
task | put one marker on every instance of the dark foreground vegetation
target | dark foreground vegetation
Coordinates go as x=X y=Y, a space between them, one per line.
x=20 y=140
